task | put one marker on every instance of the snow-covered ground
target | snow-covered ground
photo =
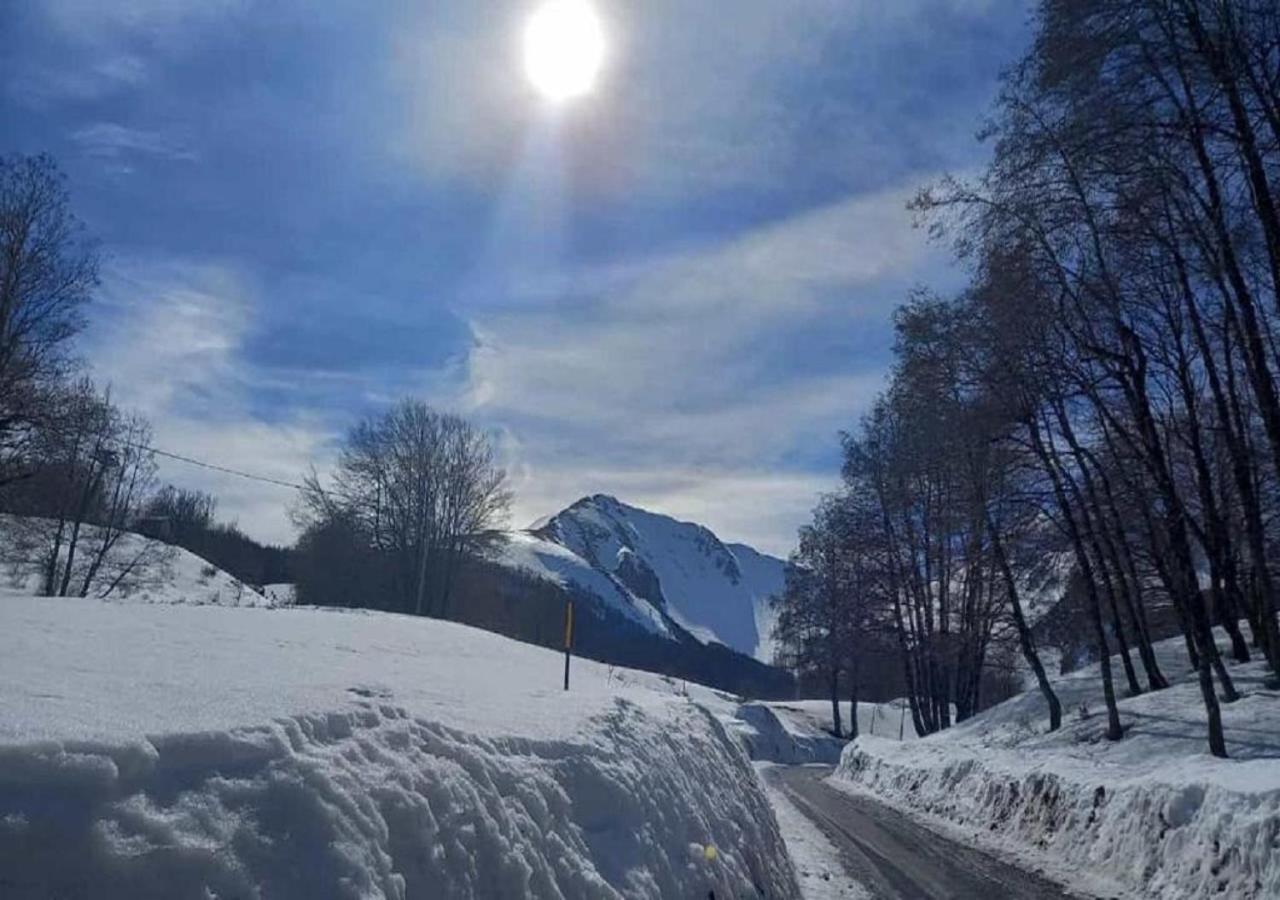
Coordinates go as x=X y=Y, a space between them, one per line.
x=1152 y=814
x=180 y=750
x=284 y=593
x=883 y=719
x=140 y=570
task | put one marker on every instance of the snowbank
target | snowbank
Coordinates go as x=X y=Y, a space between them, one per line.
x=795 y=732
x=175 y=751
x=1154 y=813
x=768 y=736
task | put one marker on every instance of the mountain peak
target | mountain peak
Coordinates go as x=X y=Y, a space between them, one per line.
x=682 y=568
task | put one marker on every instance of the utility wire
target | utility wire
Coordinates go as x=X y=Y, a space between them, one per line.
x=216 y=468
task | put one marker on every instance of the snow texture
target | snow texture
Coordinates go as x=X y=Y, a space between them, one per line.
x=541 y=558
x=1153 y=814
x=768 y=735
x=204 y=751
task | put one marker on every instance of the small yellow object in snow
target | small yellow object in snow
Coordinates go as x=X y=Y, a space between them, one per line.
x=710 y=852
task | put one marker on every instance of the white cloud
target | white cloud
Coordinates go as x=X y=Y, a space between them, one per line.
x=102 y=38
x=111 y=141
x=681 y=386
x=168 y=341
x=685 y=385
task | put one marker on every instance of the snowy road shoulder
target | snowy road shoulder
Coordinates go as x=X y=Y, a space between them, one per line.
x=817 y=860
x=1152 y=814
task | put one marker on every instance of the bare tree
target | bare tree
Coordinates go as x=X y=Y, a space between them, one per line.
x=422 y=489
x=47 y=272
x=77 y=509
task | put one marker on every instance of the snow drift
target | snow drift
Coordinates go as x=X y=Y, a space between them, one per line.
x=1153 y=813
x=185 y=751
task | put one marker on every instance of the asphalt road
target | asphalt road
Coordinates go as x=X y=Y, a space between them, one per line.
x=896 y=858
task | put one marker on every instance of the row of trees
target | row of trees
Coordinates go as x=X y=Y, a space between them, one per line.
x=1107 y=384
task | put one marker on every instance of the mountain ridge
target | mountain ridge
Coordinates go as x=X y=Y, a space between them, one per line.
x=655 y=569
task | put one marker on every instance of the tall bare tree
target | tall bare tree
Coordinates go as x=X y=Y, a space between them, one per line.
x=422 y=489
x=48 y=269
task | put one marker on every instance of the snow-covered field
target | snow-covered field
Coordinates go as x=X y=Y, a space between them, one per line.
x=203 y=751
x=1153 y=814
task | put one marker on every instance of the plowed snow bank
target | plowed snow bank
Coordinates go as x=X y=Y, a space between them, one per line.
x=194 y=752
x=1153 y=813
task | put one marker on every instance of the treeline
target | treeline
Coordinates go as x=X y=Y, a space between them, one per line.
x=77 y=474
x=1107 y=383
x=188 y=518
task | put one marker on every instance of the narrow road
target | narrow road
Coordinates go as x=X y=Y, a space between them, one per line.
x=896 y=858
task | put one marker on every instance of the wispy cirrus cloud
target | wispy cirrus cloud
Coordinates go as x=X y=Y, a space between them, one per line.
x=733 y=364
x=676 y=291
x=168 y=340
x=113 y=141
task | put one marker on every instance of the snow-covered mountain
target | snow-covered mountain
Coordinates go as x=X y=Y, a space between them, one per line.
x=656 y=571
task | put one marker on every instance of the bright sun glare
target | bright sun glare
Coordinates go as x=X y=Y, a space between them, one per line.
x=563 y=48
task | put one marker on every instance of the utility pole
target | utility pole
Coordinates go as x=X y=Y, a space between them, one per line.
x=568 y=638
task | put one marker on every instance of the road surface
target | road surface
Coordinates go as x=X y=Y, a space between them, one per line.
x=896 y=858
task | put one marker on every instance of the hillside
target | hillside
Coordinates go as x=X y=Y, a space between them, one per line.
x=305 y=752
x=139 y=569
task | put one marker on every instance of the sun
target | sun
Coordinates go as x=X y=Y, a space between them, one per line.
x=563 y=49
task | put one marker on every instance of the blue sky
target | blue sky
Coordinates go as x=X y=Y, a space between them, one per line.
x=675 y=290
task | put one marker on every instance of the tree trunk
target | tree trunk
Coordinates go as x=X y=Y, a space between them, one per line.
x=836 y=728
x=1025 y=638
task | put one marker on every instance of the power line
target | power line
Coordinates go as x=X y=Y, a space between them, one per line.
x=216 y=468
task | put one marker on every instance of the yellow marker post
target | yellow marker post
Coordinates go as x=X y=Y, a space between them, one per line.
x=568 y=639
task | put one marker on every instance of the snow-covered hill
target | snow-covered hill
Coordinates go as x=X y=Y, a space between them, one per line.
x=137 y=570
x=656 y=570
x=202 y=751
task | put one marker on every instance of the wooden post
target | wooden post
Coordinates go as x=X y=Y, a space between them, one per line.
x=568 y=638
